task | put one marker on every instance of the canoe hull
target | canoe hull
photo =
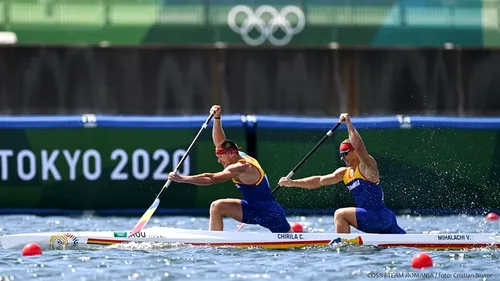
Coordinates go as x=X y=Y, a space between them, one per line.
x=267 y=240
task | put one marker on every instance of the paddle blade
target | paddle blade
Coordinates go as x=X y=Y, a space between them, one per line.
x=145 y=218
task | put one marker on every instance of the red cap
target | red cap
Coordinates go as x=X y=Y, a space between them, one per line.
x=345 y=146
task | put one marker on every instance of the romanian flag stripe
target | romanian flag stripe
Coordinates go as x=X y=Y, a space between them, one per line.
x=290 y=244
x=145 y=218
x=99 y=241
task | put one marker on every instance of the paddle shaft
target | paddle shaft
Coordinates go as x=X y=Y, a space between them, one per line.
x=149 y=212
x=204 y=126
x=325 y=137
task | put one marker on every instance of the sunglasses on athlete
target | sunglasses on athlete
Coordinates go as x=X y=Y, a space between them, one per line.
x=344 y=153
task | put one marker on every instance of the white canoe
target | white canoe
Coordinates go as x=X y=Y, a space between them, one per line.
x=75 y=239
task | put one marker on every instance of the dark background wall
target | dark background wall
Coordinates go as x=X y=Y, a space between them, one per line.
x=298 y=81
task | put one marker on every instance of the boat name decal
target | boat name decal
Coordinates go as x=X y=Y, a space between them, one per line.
x=140 y=234
x=292 y=236
x=454 y=237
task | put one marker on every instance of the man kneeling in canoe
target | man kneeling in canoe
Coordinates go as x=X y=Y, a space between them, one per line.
x=361 y=176
x=258 y=205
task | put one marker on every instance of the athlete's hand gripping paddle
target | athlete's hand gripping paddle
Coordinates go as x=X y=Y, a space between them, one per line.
x=149 y=212
x=325 y=137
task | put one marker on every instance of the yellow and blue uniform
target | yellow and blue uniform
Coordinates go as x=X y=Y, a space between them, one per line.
x=371 y=213
x=258 y=204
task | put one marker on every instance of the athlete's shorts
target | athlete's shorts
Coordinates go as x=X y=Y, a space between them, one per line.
x=381 y=221
x=268 y=214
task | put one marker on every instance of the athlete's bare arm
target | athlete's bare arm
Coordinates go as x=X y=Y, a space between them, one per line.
x=368 y=165
x=315 y=181
x=231 y=171
x=218 y=135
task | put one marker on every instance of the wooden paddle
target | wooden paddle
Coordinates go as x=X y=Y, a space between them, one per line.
x=149 y=212
x=328 y=134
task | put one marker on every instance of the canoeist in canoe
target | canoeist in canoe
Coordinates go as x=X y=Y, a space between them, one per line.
x=361 y=176
x=258 y=205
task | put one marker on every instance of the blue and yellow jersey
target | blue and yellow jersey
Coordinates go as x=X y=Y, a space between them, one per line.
x=367 y=194
x=258 y=191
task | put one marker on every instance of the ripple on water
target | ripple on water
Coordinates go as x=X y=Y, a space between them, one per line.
x=149 y=261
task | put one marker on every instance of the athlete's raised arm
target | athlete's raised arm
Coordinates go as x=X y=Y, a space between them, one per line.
x=369 y=163
x=218 y=135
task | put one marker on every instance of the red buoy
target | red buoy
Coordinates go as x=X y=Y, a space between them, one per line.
x=421 y=260
x=492 y=216
x=297 y=227
x=32 y=249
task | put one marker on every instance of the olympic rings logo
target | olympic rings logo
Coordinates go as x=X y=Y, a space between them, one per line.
x=266 y=28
